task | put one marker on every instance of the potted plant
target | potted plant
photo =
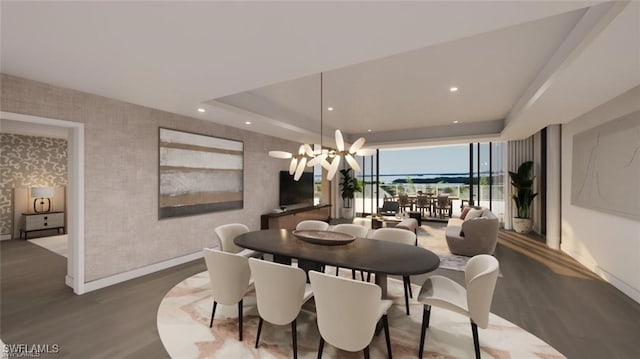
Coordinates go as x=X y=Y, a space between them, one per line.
x=523 y=196
x=349 y=185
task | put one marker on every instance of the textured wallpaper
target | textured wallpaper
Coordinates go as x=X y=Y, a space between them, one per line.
x=28 y=161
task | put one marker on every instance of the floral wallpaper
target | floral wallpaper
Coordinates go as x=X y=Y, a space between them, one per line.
x=28 y=161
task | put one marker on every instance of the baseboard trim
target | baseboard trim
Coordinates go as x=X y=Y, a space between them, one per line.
x=68 y=281
x=619 y=284
x=139 y=272
x=4 y=237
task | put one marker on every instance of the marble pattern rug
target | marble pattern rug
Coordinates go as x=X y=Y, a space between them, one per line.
x=56 y=244
x=184 y=314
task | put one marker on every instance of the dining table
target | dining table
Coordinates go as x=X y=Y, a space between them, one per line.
x=379 y=257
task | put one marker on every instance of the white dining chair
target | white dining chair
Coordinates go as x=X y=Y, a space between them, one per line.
x=230 y=278
x=348 y=312
x=281 y=291
x=399 y=236
x=355 y=230
x=474 y=301
x=227 y=233
x=312 y=224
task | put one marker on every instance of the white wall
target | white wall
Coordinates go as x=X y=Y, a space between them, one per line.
x=607 y=244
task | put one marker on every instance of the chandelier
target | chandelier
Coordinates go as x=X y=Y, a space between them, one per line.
x=329 y=159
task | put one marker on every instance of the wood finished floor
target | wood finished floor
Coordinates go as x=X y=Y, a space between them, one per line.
x=541 y=290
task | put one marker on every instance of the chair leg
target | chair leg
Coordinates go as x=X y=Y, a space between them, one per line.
x=260 y=321
x=387 y=337
x=409 y=286
x=320 y=347
x=213 y=313
x=294 y=338
x=366 y=352
x=362 y=275
x=337 y=271
x=426 y=314
x=406 y=294
x=353 y=274
x=368 y=276
x=240 y=320
x=476 y=342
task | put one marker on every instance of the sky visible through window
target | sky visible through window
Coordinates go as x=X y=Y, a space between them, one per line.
x=430 y=160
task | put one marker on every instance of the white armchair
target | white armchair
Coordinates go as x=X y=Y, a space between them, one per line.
x=481 y=274
x=227 y=233
x=348 y=312
x=312 y=224
x=281 y=291
x=230 y=277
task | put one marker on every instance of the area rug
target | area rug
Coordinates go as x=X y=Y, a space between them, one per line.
x=56 y=244
x=184 y=314
x=432 y=237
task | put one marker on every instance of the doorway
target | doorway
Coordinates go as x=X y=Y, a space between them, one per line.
x=75 y=193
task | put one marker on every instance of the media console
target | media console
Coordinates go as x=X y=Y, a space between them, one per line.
x=289 y=218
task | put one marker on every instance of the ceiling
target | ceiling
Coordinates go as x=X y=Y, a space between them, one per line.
x=387 y=66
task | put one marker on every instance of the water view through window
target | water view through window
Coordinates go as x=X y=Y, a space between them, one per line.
x=433 y=171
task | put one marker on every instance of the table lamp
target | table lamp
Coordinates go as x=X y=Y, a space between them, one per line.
x=41 y=193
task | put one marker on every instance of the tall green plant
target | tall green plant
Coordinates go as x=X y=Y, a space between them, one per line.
x=349 y=185
x=523 y=195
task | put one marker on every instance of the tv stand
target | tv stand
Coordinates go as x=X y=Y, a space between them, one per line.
x=289 y=218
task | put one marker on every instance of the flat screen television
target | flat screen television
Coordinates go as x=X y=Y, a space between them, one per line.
x=296 y=192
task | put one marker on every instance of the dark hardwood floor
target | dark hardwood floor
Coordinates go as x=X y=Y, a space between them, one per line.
x=541 y=290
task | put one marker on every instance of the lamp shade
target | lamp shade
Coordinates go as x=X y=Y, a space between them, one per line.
x=41 y=192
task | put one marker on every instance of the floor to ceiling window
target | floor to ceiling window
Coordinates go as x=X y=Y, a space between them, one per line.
x=470 y=173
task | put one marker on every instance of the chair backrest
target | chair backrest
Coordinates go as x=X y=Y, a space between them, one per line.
x=443 y=201
x=481 y=274
x=279 y=290
x=312 y=224
x=403 y=199
x=227 y=233
x=422 y=201
x=394 y=235
x=390 y=206
x=365 y=222
x=355 y=230
x=229 y=275
x=347 y=310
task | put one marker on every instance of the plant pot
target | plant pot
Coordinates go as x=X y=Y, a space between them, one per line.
x=348 y=213
x=522 y=225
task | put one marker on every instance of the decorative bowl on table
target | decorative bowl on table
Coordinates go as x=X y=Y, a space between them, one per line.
x=327 y=238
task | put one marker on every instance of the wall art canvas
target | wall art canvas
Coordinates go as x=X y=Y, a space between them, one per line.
x=199 y=174
x=606 y=167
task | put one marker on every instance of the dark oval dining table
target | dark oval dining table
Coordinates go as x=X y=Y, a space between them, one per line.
x=371 y=255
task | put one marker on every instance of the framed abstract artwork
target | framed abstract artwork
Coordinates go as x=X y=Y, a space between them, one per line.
x=198 y=174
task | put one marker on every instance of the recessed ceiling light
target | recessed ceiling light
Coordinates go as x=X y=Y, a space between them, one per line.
x=456 y=121
x=453 y=89
x=329 y=108
x=247 y=122
x=369 y=130
x=201 y=110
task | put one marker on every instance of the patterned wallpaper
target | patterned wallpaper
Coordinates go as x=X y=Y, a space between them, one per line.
x=28 y=161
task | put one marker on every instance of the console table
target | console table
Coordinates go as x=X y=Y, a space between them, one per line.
x=288 y=219
x=31 y=222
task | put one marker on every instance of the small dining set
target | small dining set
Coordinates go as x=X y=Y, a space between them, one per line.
x=349 y=311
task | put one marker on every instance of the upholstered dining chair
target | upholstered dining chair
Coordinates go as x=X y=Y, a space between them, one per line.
x=355 y=230
x=312 y=224
x=281 y=291
x=227 y=233
x=348 y=312
x=230 y=278
x=473 y=300
x=399 y=236
x=423 y=204
x=403 y=200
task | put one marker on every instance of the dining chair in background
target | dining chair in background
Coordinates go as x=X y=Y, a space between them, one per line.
x=399 y=236
x=230 y=278
x=403 y=200
x=355 y=230
x=312 y=224
x=443 y=206
x=227 y=233
x=473 y=300
x=423 y=204
x=281 y=290
x=348 y=312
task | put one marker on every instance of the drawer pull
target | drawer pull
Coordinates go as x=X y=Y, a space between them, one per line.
x=45 y=217
x=45 y=223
